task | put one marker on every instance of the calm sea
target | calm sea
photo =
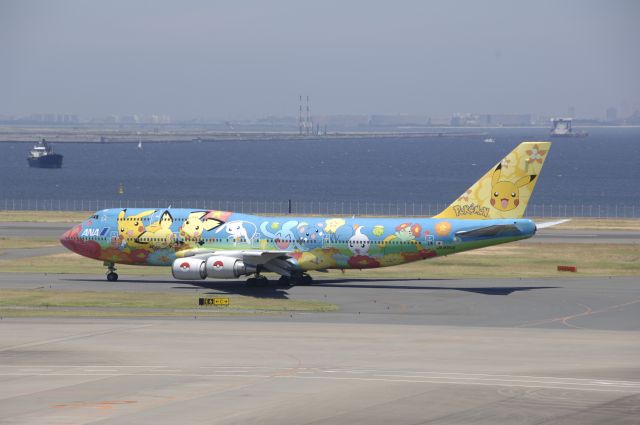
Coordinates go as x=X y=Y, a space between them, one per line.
x=601 y=169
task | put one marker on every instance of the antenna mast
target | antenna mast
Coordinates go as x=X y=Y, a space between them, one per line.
x=300 y=116
x=308 y=125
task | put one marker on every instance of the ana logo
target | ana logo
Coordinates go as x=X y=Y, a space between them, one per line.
x=185 y=267
x=218 y=265
x=90 y=232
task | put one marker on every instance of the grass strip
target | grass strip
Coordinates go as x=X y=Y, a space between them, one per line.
x=43 y=302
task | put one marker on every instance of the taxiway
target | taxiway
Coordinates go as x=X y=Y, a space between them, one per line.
x=404 y=352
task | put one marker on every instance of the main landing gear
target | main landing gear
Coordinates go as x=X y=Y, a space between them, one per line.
x=296 y=279
x=112 y=276
x=258 y=280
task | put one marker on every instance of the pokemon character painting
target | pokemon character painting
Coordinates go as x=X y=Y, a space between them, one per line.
x=200 y=244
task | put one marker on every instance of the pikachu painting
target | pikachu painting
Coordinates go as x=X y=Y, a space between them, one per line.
x=137 y=234
x=504 y=191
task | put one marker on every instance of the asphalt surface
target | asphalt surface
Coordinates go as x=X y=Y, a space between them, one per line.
x=551 y=235
x=33 y=230
x=591 y=303
x=404 y=352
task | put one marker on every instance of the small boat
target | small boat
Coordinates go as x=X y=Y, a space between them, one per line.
x=140 y=145
x=489 y=140
x=42 y=156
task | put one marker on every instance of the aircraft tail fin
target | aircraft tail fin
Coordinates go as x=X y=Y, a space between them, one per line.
x=504 y=191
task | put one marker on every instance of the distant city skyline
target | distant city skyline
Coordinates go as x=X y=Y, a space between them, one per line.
x=311 y=124
x=234 y=61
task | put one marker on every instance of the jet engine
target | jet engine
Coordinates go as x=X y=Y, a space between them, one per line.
x=214 y=267
x=189 y=268
x=223 y=267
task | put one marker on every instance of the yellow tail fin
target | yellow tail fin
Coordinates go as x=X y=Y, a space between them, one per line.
x=504 y=191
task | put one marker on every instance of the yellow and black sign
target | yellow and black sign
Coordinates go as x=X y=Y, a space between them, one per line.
x=214 y=301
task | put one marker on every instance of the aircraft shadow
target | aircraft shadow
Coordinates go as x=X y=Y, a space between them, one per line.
x=493 y=290
x=277 y=290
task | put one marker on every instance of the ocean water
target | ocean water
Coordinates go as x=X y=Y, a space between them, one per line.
x=603 y=169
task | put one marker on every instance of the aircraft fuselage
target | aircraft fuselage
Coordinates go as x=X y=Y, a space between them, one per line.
x=158 y=237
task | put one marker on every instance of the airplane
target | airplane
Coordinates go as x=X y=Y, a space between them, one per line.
x=199 y=244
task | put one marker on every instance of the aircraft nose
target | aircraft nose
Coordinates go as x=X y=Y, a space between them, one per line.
x=67 y=238
x=64 y=238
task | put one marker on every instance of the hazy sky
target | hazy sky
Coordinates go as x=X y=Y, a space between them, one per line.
x=241 y=59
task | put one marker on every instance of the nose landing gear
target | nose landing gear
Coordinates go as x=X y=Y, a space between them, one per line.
x=112 y=276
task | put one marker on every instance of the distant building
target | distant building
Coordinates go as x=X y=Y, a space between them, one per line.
x=505 y=119
x=398 y=120
x=634 y=118
x=439 y=121
x=50 y=118
x=130 y=119
x=344 y=122
x=491 y=119
x=612 y=114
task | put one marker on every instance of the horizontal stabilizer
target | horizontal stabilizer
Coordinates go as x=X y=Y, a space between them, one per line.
x=496 y=230
x=551 y=223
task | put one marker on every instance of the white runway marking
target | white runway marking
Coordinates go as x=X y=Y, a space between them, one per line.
x=417 y=377
x=34 y=370
x=100 y=370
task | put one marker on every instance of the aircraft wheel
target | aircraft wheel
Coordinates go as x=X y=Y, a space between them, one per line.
x=112 y=276
x=258 y=281
x=285 y=280
x=304 y=280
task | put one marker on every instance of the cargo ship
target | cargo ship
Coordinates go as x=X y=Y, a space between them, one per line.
x=42 y=156
x=562 y=128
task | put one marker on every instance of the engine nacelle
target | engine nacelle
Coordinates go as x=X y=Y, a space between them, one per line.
x=189 y=269
x=223 y=267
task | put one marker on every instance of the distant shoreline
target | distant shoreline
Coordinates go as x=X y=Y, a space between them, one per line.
x=177 y=137
x=177 y=134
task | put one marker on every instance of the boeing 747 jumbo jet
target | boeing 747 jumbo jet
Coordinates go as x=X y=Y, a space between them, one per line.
x=200 y=244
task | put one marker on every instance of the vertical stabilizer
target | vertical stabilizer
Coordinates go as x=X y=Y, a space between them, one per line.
x=504 y=191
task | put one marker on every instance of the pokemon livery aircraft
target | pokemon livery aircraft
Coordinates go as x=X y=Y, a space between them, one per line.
x=200 y=244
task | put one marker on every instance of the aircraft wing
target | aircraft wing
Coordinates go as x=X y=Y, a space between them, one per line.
x=495 y=230
x=256 y=257
x=249 y=256
x=273 y=261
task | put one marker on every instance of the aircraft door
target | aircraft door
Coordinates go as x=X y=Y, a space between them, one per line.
x=430 y=241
